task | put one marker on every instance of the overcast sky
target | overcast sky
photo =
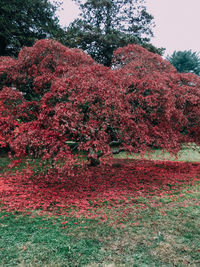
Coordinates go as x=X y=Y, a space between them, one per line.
x=177 y=23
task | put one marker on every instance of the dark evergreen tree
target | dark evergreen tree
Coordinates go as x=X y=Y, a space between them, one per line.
x=24 y=22
x=105 y=25
x=185 y=61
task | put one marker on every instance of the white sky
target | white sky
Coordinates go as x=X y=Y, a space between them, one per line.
x=177 y=22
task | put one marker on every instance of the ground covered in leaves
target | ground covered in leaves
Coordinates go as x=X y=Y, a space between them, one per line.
x=86 y=194
x=135 y=213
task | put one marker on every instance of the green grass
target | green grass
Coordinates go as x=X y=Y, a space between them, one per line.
x=187 y=154
x=41 y=241
x=4 y=161
x=165 y=234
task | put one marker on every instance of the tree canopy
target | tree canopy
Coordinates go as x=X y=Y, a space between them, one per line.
x=81 y=106
x=24 y=22
x=185 y=61
x=106 y=25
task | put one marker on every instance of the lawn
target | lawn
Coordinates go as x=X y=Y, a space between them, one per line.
x=188 y=153
x=135 y=213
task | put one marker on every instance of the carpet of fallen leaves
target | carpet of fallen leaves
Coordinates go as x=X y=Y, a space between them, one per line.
x=87 y=194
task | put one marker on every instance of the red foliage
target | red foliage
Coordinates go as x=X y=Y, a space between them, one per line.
x=54 y=96
x=164 y=102
x=6 y=66
x=90 y=192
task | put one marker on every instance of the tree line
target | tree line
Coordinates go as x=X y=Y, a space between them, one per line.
x=101 y=28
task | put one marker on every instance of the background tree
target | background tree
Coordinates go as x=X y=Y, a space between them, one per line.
x=23 y=22
x=185 y=61
x=105 y=25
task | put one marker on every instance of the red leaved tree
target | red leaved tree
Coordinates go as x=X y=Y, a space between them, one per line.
x=165 y=104
x=58 y=104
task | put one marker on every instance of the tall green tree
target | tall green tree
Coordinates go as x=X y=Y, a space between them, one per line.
x=185 y=61
x=23 y=22
x=105 y=25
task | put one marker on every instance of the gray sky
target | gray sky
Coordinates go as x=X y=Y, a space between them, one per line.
x=177 y=22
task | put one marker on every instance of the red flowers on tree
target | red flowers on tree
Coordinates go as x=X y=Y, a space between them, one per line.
x=56 y=101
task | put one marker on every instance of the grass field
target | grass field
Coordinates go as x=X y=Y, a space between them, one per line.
x=154 y=229
x=187 y=154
